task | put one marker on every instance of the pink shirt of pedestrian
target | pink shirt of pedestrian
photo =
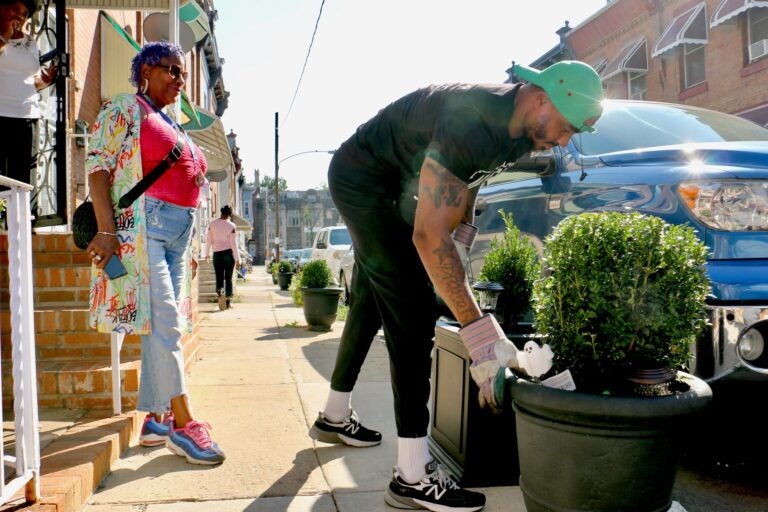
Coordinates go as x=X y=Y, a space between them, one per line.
x=222 y=235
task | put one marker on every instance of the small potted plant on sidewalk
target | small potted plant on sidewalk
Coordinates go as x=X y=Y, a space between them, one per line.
x=511 y=262
x=622 y=301
x=285 y=270
x=321 y=300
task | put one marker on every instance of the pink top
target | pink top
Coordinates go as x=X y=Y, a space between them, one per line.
x=222 y=236
x=178 y=185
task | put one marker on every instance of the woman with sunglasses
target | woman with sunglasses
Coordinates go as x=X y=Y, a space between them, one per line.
x=20 y=80
x=152 y=236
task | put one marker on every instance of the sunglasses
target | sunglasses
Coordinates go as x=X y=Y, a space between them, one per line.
x=174 y=70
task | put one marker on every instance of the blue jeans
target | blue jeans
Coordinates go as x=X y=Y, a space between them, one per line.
x=169 y=232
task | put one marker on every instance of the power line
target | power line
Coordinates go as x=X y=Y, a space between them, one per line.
x=306 y=60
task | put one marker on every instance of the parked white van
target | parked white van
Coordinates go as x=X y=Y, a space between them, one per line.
x=331 y=243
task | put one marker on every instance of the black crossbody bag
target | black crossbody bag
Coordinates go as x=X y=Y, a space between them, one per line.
x=84 y=226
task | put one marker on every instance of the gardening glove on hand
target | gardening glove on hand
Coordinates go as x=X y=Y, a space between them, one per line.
x=465 y=234
x=490 y=351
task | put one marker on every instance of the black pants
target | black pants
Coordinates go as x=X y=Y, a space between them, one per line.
x=223 y=265
x=18 y=148
x=363 y=322
x=391 y=277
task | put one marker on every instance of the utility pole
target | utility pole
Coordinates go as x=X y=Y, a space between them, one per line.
x=277 y=197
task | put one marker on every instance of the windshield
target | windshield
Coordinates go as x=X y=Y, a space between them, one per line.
x=627 y=126
x=340 y=237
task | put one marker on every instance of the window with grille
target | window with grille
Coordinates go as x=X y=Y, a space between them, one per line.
x=758 y=33
x=637 y=86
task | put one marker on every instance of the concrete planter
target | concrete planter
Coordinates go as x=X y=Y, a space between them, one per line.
x=320 y=307
x=599 y=453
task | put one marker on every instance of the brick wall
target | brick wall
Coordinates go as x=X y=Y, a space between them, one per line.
x=732 y=85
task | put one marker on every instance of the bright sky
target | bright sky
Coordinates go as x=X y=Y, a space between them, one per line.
x=366 y=54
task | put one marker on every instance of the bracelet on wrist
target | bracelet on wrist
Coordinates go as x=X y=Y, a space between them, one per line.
x=106 y=233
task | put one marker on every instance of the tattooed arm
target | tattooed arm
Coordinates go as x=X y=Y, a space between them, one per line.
x=443 y=203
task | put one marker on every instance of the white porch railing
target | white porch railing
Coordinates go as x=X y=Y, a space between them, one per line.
x=26 y=461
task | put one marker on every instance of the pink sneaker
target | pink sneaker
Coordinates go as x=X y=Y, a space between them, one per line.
x=195 y=443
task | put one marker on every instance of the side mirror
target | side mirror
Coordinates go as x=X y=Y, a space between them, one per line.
x=540 y=162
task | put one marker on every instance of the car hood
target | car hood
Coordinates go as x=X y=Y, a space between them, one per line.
x=736 y=154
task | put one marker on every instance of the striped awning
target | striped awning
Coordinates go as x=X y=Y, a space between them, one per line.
x=633 y=57
x=688 y=28
x=731 y=8
x=207 y=130
x=120 y=5
x=194 y=16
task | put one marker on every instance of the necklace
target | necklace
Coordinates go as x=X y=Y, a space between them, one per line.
x=200 y=177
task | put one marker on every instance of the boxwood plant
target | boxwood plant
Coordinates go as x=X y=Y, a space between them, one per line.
x=620 y=289
x=512 y=262
x=316 y=274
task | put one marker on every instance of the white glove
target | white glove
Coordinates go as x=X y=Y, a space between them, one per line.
x=490 y=351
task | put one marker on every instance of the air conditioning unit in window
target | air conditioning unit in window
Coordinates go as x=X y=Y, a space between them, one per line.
x=758 y=49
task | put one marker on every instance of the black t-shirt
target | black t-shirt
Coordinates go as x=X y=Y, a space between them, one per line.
x=463 y=127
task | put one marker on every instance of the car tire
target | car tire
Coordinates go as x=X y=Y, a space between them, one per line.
x=345 y=288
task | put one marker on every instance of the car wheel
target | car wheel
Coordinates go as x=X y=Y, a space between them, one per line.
x=345 y=288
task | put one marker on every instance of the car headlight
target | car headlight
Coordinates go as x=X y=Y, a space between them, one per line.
x=730 y=205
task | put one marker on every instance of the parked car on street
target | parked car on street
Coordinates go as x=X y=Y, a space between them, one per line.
x=305 y=255
x=686 y=165
x=330 y=244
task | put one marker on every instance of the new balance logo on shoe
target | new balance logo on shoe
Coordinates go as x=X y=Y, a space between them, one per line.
x=437 y=492
x=348 y=431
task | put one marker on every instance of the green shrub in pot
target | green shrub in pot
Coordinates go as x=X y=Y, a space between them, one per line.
x=316 y=274
x=286 y=266
x=512 y=262
x=621 y=290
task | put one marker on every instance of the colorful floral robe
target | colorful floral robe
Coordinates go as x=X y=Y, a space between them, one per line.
x=122 y=305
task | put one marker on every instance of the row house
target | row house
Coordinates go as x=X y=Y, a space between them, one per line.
x=711 y=54
x=94 y=41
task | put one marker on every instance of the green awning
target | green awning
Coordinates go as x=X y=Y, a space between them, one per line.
x=194 y=16
x=118 y=49
x=207 y=130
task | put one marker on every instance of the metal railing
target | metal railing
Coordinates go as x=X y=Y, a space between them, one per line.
x=25 y=462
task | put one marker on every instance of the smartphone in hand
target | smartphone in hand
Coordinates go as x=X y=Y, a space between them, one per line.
x=115 y=267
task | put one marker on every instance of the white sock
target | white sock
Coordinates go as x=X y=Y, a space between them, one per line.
x=338 y=406
x=412 y=457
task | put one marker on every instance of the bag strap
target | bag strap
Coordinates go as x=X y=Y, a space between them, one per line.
x=166 y=163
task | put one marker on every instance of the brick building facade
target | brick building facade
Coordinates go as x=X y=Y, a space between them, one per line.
x=711 y=53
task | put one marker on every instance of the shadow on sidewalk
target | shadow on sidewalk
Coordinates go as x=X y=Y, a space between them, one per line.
x=291 y=483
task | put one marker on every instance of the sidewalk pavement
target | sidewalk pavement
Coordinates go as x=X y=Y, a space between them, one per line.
x=260 y=381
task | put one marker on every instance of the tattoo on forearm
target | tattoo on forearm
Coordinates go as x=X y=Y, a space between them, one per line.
x=448 y=189
x=450 y=279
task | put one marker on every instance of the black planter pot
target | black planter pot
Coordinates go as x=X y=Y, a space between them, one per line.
x=284 y=279
x=320 y=307
x=598 y=453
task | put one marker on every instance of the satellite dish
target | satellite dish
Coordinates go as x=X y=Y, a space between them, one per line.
x=156 y=29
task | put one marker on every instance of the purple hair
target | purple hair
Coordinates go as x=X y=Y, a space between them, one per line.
x=151 y=54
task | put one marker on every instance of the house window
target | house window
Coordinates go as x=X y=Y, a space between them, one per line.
x=294 y=219
x=758 y=33
x=693 y=65
x=637 y=86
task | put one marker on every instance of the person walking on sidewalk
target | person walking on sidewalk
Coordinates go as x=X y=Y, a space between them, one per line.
x=403 y=183
x=222 y=242
x=131 y=136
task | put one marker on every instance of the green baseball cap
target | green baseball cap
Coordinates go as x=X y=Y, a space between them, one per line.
x=574 y=87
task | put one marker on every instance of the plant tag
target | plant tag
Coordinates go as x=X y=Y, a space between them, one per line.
x=562 y=380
